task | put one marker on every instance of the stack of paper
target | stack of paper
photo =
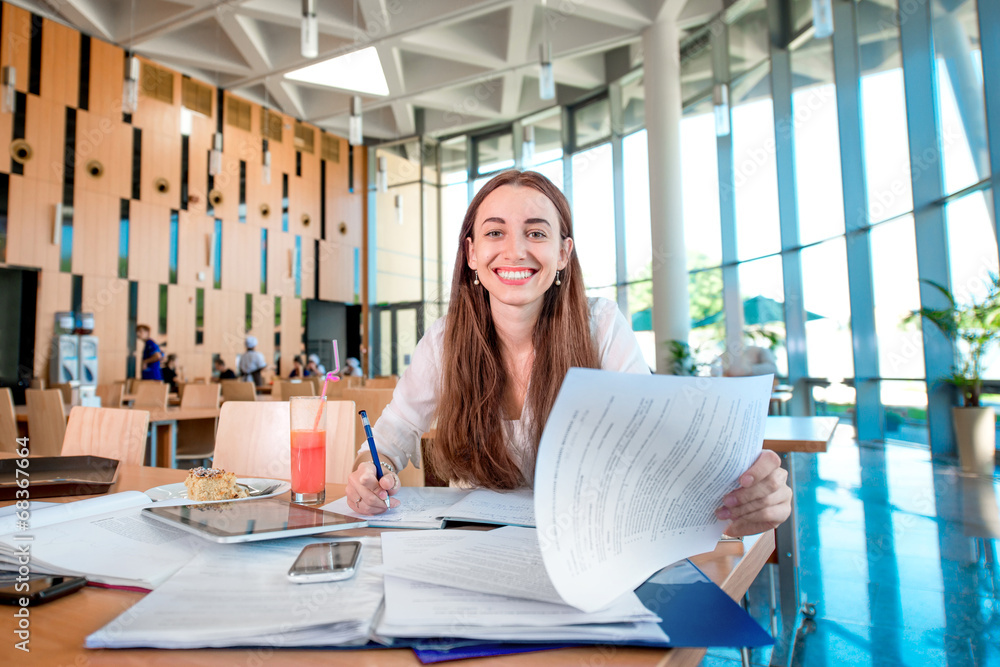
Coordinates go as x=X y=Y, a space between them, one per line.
x=430 y=507
x=434 y=587
x=239 y=595
x=103 y=539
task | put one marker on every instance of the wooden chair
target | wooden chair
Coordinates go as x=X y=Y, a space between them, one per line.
x=8 y=421
x=37 y=383
x=357 y=381
x=373 y=401
x=131 y=384
x=255 y=440
x=114 y=433
x=111 y=394
x=237 y=390
x=196 y=437
x=46 y=421
x=67 y=392
x=282 y=390
x=381 y=382
x=151 y=394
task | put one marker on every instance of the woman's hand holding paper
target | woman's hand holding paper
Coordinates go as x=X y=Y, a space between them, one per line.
x=763 y=500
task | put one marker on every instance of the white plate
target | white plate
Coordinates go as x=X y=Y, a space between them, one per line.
x=179 y=492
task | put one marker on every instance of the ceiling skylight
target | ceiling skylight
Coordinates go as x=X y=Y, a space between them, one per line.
x=359 y=71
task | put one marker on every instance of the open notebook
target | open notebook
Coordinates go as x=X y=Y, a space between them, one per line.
x=434 y=507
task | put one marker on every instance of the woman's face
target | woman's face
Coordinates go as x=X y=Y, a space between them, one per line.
x=516 y=245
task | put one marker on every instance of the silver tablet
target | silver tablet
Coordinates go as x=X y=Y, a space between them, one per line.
x=251 y=520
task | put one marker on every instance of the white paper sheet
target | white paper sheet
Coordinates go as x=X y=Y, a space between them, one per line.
x=509 y=508
x=47 y=514
x=419 y=507
x=415 y=609
x=630 y=470
x=118 y=548
x=239 y=594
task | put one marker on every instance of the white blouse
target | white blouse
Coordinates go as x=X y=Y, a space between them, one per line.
x=414 y=401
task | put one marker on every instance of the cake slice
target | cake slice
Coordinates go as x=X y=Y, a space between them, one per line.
x=213 y=484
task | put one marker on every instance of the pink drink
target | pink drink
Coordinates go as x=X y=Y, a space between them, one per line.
x=308 y=461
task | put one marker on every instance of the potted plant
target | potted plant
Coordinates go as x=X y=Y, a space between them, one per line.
x=975 y=328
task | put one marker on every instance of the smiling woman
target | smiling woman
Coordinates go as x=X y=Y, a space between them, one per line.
x=489 y=372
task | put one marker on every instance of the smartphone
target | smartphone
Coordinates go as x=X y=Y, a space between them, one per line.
x=326 y=561
x=38 y=590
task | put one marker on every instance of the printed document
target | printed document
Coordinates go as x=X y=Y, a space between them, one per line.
x=630 y=471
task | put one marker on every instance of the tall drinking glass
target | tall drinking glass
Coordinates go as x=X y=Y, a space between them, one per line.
x=308 y=415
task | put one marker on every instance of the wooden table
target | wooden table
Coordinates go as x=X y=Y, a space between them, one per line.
x=786 y=435
x=169 y=417
x=172 y=399
x=21 y=412
x=58 y=629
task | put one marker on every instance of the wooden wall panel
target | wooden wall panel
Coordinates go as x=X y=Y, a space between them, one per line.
x=95 y=234
x=193 y=241
x=149 y=243
x=102 y=135
x=156 y=116
x=304 y=198
x=16 y=45
x=108 y=141
x=60 y=80
x=45 y=131
x=107 y=299
x=31 y=215
x=161 y=158
x=199 y=144
x=309 y=268
x=336 y=272
x=291 y=332
x=55 y=292
x=107 y=75
x=341 y=204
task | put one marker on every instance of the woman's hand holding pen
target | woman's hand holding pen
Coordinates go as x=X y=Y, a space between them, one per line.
x=366 y=494
x=763 y=500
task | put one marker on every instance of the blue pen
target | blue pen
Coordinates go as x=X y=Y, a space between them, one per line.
x=371 y=446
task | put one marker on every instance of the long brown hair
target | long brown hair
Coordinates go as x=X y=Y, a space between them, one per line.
x=471 y=441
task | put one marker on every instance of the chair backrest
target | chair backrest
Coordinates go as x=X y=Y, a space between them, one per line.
x=151 y=394
x=46 y=421
x=201 y=396
x=255 y=440
x=115 y=433
x=67 y=392
x=382 y=382
x=282 y=390
x=8 y=421
x=353 y=381
x=37 y=383
x=237 y=390
x=111 y=394
x=373 y=402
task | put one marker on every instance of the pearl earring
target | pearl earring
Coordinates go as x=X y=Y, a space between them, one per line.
x=476 y=281
x=558 y=282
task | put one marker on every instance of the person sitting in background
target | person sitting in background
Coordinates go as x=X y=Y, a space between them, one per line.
x=151 y=354
x=751 y=360
x=252 y=363
x=314 y=367
x=169 y=372
x=297 y=370
x=352 y=367
x=223 y=372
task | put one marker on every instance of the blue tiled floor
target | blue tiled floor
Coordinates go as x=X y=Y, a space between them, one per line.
x=898 y=554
